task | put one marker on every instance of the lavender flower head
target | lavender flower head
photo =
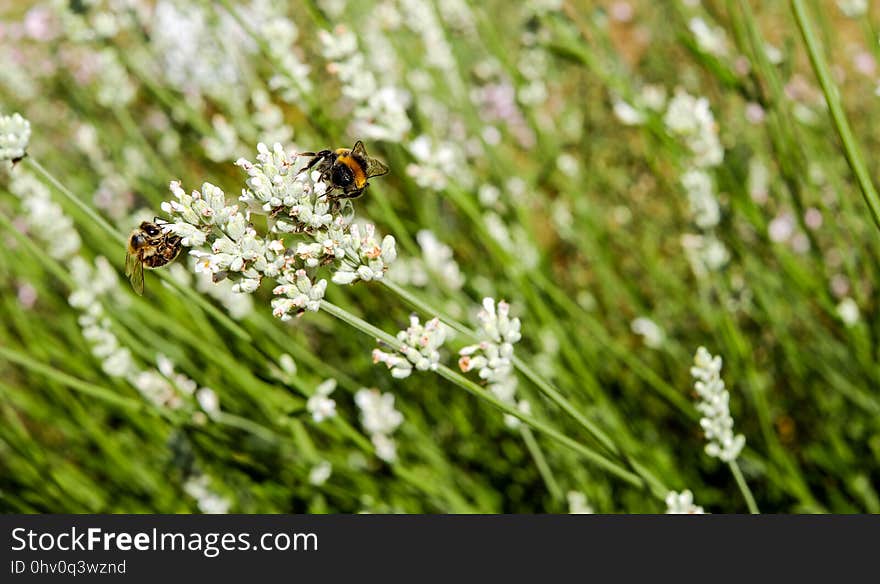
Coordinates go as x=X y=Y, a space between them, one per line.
x=320 y=405
x=492 y=357
x=714 y=404
x=15 y=133
x=420 y=350
x=308 y=230
x=380 y=419
x=682 y=504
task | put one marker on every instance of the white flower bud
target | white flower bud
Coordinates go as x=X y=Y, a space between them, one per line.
x=15 y=133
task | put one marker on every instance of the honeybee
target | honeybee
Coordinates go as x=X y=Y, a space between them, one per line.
x=346 y=169
x=151 y=247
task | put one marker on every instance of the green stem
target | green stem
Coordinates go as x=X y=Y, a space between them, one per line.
x=84 y=387
x=744 y=488
x=91 y=213
x=541 y=463
x=249 y=426
x=835 y=108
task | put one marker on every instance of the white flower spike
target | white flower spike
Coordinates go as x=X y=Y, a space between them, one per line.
x=420 y=351
x=380 y=419
x=15 y=133
x=714 y=404
x=682 y=504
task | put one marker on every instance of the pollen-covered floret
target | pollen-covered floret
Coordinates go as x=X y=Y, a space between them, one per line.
x=419 y=350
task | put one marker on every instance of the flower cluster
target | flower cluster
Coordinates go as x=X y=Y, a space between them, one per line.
x=297 y=203
x=196 y=54
x=420 y=17
x=691 y=118
x=236 y=251
x=714 y=404
x=114 y=87
x=710 y=39
x=223 y=144
x=437 y=163
x=848 y=311
x=90 y=284
x=277 y=185
x=297 y=294
x=165 y=387
x=534 y=57
x=492 y=357
x=853 y=8
x=320 y=405
x=209 y=501
x=436 y=260
x=700 y=190
x=650 y=98
x=293 y=80
x=650 y=331
x=705 y=253
x=380 y=112
x=365 y=257
x=15 y=132
x=45 y=217
x=577 y=503
x=380 y=419
x=682 y=504
x=420 y=350
x=319 y=473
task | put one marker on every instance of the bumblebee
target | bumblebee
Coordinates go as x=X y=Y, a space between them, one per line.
x=151 y=247
x=346 y=169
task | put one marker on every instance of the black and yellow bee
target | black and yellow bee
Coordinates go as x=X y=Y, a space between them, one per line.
x=151 y=247
x=346 y=169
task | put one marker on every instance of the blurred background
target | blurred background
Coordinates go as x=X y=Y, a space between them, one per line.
x=636 y=179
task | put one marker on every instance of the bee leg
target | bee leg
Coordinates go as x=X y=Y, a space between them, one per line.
x=316 y=158
x=325 y=178
x=349 y=195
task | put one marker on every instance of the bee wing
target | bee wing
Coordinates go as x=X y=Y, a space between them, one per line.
x=134 y=269
x=376 y=168
x=359 y=150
